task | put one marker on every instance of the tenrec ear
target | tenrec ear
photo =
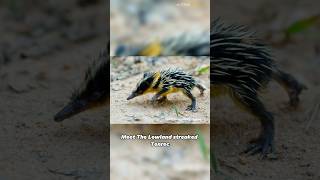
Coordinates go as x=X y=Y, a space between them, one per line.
x=145 y=74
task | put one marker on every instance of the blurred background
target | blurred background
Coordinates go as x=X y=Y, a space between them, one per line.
x=291 y=29
x=33 y=29
x=136 y=22
x=45 y=48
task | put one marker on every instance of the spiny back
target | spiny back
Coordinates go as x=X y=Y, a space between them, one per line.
x=96 y=78
x=177 y=78
x=238 y=59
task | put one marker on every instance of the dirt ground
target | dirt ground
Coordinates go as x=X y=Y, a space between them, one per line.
x=44 y=56
x=45 y=49
x=140 y=110
x=137 y=159
x=297 y=138
x=41 y=60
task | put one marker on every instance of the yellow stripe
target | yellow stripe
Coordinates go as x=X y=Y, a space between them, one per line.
x=154 y=49
x=172 y=90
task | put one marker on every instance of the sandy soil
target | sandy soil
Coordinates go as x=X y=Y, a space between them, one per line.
x=297 y=137
x=37 y=73
x=140 y=109
x=39 y=68
x=137 y=159
x=43 y=56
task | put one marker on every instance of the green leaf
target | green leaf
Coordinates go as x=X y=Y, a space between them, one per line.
x=203 y=69
x=301 y=25
x=176 y=110
x=203 y=146
x=214 y=162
